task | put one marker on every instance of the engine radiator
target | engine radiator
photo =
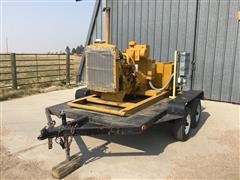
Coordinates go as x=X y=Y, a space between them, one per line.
x=100 y=68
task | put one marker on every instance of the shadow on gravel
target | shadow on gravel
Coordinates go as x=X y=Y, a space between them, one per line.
x=204 y=117
x=152 y=142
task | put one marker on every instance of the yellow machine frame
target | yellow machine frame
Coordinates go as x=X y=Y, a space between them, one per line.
x=94 y=103
x=125 y=108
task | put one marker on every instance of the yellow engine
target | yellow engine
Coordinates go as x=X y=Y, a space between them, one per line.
x=122 y=83
x=112 y=74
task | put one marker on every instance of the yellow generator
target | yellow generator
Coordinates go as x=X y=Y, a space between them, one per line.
x=122 y=83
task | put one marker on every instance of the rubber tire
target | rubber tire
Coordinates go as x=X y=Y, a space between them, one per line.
x=194 y=106
x=80 y=93
x=179 y=127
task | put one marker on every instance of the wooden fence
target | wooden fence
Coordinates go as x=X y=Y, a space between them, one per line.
x=19 y=70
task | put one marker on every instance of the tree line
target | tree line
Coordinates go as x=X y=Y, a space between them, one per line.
x=77 y=50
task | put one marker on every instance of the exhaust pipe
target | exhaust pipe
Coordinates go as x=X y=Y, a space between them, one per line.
x=107 y=26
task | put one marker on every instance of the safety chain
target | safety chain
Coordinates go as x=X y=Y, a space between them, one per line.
x=59 y=140
x=51 y=123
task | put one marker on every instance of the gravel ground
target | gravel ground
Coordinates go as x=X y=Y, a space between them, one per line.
x=212 y=152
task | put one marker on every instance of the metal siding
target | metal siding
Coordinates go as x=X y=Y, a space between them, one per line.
x=114 y=19
x=182 y=25
x=169 y=25
x=190 y=27
x=174 y=28
x=93 y=36
x=230 y=51
x=219 y=51
x=166 y=30
x=119 y=24
x=202 y=26
x=151 y=24
x=98 y=23
x=138 y=19
x=210 y=48
x=235 y=96
x=131 y=22
x=217 y=71
x=158 y=30
x=144 y=23
x=125 y=24
x=189 y=41
x=103 y=4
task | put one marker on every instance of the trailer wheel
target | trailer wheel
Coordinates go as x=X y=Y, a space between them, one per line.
x=196 y=112
x=182 y=127
x=81 y=93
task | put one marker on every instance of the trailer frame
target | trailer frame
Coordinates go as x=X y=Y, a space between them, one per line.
x=84 y=122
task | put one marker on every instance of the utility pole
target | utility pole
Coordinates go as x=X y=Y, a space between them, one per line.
x=7 y=43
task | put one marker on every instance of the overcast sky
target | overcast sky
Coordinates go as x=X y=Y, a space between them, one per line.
x=42 y=26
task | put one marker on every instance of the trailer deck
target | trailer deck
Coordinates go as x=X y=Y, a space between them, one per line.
x=164 y=110
x=147 y=115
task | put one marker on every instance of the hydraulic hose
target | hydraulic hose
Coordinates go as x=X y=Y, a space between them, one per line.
x=161 y=89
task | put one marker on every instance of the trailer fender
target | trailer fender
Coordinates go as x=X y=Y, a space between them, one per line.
x=178 y=105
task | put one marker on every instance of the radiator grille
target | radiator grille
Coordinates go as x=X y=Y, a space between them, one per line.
x=100 y=69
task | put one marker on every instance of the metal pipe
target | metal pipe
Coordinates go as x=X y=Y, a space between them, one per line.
x=175 y=75
x=107 y=26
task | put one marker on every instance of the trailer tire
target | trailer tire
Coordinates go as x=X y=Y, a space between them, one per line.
x=181 y=129
x=81 y=93
x=196 y=112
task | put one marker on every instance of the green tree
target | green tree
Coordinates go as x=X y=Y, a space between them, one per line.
x=67 y=50
x=80 y=49
x=74 y=51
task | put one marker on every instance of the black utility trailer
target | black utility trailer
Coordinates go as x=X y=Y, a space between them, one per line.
x=184 y=112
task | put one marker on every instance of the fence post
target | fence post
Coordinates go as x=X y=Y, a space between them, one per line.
x=67 y=67
x=14 y=70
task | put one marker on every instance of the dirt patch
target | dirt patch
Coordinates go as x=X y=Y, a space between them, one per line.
x=213 y=166
x=229 y=138
x=12 y=167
